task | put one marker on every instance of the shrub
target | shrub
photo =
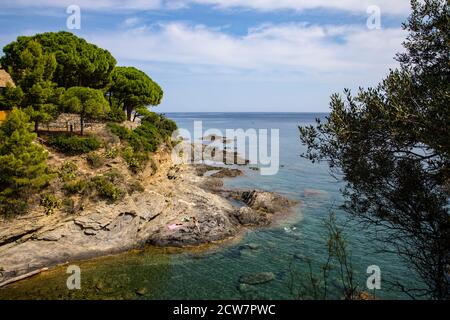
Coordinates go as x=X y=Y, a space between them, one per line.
x=81 y=187
x=94 y=160
x=111 y=153
x=120 y=131
x=106 y=189
x=68 y=171
x=153 y=131
x=114 y=176
x=167 y=126
x=50 y=202
x=134 y=160
x=74 y=145
x=116 y=115
x=69 y=205
x=146 y=137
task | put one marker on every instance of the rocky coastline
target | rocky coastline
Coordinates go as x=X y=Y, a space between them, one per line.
x=180 y=206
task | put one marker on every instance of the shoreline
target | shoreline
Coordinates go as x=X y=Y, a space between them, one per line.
x=181 y=207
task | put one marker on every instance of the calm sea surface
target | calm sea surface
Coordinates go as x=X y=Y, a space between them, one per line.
x=287 y=250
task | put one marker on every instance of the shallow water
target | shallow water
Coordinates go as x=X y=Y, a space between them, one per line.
x=213 y=272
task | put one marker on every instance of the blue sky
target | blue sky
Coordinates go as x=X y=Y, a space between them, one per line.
x=232 y=55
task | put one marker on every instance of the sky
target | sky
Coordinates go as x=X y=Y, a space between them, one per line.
x=233 y=55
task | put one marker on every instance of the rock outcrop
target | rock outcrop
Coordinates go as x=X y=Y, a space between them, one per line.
x=177 y=208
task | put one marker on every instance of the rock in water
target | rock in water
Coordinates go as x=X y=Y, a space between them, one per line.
x=227 y=173
x=266 y=201
x=248 y=216
x=257 y=278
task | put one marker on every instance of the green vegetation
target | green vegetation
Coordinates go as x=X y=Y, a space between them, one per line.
x=116 y=114
x=74 y=145
x=68 y=205
x=391 y=145
x=120 y=131
x=111 y=153
x=95 y=160
x=87 y=102
x=58 y=72
x=23 y=169
x=153 y=131
x=50 y=202
x=60 y=57
x=134 y=159
x=79 y=186
x=131 y=89
x=68 y=171
x=104 y=186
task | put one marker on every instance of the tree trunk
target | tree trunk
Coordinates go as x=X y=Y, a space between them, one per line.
x=36 y=126
x=129 y=111
x=82 y=124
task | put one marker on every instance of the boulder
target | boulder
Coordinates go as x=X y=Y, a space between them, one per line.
x=266 y=201
x=227 y=173
x=248 y=216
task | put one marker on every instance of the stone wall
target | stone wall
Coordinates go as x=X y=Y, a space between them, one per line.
x=68 y=122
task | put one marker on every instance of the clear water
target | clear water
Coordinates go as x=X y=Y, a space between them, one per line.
x=213 y=272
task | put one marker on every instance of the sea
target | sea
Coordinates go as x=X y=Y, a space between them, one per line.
x=291 y=254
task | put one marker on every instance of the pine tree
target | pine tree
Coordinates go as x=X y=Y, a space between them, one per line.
x=23 y=168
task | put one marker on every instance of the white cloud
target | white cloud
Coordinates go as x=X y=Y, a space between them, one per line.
x=387 y=6
x=87 y=4
x=130 y=22
x=311 y=50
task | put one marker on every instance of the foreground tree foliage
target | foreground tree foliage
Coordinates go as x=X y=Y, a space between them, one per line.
x=23 y=169
x=391 y=145
x=131 y=89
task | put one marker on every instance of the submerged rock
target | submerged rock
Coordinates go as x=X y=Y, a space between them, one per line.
x=314 y=193
x=252 y=246
x=142 y=291
x=257 y=278
x=245 y=288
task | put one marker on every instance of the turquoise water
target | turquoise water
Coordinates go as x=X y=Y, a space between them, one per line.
x=214 y=273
